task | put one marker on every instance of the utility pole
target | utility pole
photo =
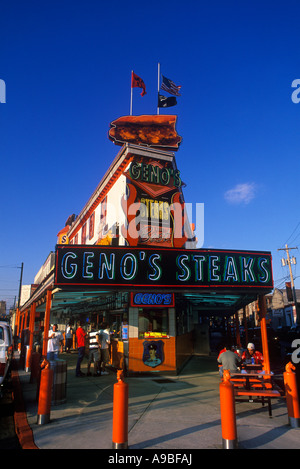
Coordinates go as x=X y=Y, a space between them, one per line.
x=288 y=262
x=20 y=284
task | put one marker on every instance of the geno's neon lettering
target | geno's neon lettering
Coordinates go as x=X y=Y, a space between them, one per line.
x=161 y=266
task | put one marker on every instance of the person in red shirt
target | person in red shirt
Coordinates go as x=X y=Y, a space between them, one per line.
x=252 y=356
x=80 y=335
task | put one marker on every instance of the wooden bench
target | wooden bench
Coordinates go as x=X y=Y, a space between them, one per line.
x=247 y=383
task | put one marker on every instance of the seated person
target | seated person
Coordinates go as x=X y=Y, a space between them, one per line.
x=229 y=361
x=252 y=356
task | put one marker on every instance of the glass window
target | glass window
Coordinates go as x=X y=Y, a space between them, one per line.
x=153 y=323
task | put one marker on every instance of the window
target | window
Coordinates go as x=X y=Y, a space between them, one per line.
x=153 y=323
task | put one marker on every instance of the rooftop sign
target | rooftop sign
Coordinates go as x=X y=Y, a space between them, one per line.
x=156 y=131
x=171 y=268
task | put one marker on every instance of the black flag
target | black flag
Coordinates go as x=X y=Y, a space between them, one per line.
x=163 y=101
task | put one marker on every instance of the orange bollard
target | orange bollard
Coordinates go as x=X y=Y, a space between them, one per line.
x=291 y=394
x=45 y=394
x=120 y=413
x=228 y=416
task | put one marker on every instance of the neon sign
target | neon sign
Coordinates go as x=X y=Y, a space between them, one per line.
x=154 y=174
x=151 y=267
x=153 y=300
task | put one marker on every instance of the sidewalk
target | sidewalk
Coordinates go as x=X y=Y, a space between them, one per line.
x=175 y=412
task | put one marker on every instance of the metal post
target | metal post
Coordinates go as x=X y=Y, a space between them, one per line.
x=264 y=337
x=291 y=394
x=46 y=322
x=20 y=285
x=287 y=250
x=31 y=331
x=228 y=414
x=45 y=394
x=120 y=413
x=158 y=78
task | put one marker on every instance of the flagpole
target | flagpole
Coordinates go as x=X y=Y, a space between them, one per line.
x=131 y=93
x=158 y=76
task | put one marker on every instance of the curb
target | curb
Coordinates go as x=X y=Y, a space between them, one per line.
x=22 y=428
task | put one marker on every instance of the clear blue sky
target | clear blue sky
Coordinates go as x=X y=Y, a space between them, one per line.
x=67 y=66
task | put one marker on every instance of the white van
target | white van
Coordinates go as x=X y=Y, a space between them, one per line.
x=6 y=349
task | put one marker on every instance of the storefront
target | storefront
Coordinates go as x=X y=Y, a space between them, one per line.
x=130 y=259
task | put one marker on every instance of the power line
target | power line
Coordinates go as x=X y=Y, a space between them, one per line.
x=294 y=239
x=293 y=233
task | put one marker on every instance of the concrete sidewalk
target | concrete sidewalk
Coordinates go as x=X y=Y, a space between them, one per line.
x=165 y=412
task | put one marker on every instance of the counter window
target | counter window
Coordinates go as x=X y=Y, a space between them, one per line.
x=153 y=323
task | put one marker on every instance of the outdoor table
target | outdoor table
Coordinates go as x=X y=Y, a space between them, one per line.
x=251 y=367
x=256 y=386
x=252 y=375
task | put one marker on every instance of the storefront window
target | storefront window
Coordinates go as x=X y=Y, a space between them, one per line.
x=116 y=325
x=119 y=326
x=153 y=323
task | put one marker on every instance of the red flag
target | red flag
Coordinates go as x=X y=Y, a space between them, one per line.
x=137 y=82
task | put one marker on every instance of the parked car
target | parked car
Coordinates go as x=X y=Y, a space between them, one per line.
x=6 y=349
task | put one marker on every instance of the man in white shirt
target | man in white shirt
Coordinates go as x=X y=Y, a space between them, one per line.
x=55 y=339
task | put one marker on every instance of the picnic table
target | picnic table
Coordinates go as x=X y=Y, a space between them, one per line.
x=255 y=385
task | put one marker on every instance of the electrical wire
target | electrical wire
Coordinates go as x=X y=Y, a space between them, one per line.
x=292 y=233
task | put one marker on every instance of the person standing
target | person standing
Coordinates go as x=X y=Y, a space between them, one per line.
x=55 y=339
x=69 y=338
x=104 y=349
x=94 y=350
x=80 y=335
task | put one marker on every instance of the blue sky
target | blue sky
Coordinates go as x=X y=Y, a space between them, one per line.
x=67 y=66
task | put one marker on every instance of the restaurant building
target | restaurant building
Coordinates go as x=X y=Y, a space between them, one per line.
x=130 y=258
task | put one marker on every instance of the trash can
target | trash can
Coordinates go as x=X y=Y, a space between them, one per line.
x=59 y=388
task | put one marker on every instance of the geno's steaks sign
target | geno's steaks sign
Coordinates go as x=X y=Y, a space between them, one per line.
x=171 y=268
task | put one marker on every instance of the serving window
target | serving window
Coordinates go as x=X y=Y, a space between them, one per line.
x=153 y=323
